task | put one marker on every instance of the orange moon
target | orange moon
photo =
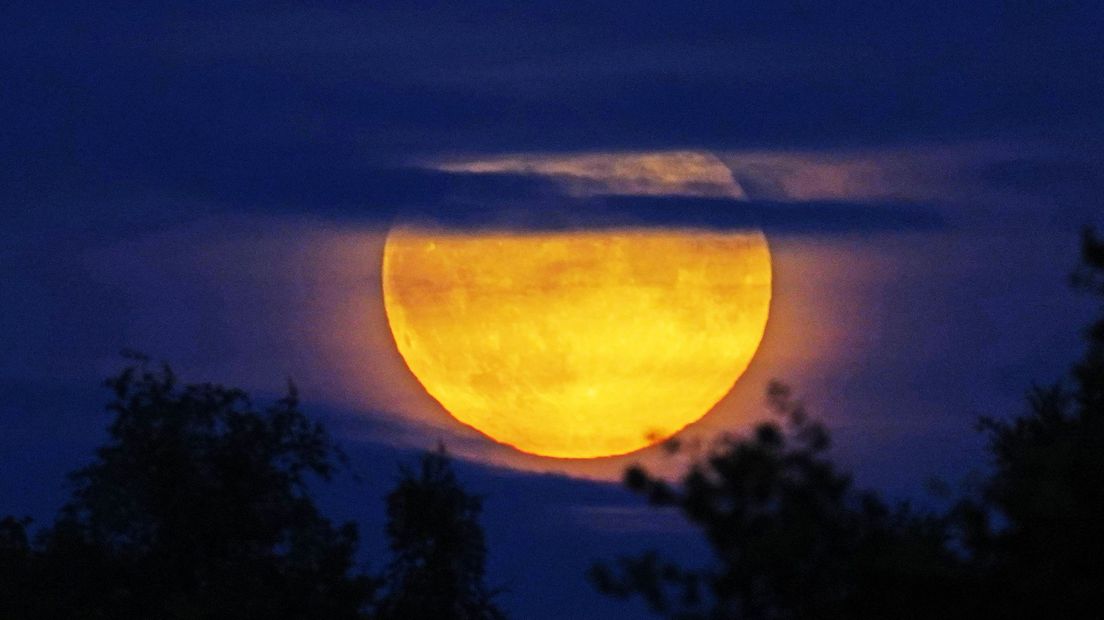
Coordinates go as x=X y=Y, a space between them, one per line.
x=577 y=344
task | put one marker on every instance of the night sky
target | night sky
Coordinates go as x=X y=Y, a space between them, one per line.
x=212 y=186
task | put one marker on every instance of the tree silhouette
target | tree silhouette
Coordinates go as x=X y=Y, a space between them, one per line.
x=16 y=575
x=437 y=546
x=791 y=538
x=197 y=507
x=1038 y=530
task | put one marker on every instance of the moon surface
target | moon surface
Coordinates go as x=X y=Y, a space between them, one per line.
x=577 y=344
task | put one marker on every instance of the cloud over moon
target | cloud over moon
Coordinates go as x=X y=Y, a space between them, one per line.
x=787 y=192
x=687 y=173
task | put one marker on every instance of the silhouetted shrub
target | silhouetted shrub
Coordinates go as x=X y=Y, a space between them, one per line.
x=437 y=547
x=1038 y=529
x=197 y=507
x=791 y=538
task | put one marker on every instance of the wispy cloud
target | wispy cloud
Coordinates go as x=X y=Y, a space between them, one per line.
x=685 y=173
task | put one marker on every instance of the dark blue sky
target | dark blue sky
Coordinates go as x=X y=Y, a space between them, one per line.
x=199 y=182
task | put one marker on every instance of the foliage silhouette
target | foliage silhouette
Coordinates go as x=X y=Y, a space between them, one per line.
x=197 y=507
x=791 y=538
x=1038 y=530
x=437 y=546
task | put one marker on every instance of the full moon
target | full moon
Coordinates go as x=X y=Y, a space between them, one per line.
x=577 y=344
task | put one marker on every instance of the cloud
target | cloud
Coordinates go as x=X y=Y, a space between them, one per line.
x=615 y=211
x=725 y=75
x=535 y=192
x=820 y=217
x=270 y=102
x=686 y=173
x=778 y=191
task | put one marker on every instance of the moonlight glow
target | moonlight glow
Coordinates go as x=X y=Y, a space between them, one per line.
x=578 y=344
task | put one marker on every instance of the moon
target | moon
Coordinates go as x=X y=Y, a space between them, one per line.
x=577 y=344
